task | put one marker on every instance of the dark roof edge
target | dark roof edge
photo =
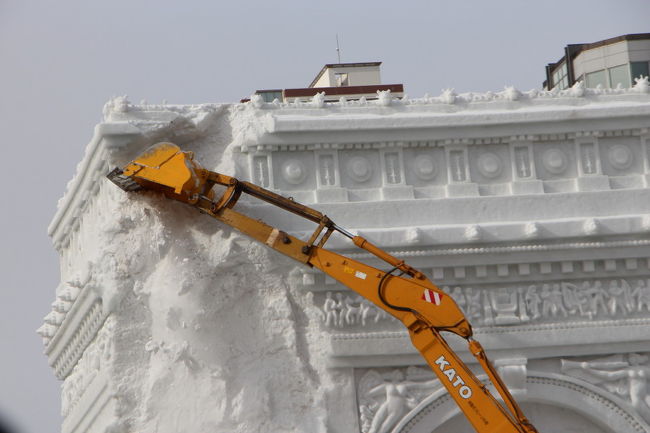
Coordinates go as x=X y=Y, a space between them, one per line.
x=339 y=65
x=630 y=37
x=345 y=90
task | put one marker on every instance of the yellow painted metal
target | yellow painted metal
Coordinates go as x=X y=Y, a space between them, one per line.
x=165 y=167
x=420 y=305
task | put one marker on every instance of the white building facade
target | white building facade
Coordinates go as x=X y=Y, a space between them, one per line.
x=532 y=210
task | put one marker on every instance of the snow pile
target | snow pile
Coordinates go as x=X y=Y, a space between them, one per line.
x=209 y=334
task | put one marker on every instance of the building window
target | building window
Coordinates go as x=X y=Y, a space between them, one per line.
x=342 y=79
x=596 y=78
x=561 y=77
x=270 y=96
x=619 y=75
x=639 y=69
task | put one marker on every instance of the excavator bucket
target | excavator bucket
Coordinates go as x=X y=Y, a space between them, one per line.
x=162 y=167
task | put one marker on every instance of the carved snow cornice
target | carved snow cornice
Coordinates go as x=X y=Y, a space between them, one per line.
x=534 y=341
x=450 y=101
x=263 y=147
x=85 y=184
x=74 y=333
x=625 y=231
x=126 y=128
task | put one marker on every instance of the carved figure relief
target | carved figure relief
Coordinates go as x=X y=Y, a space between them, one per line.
x=556 y=301
x=511 y=305
x=338 y=311
x=384 y=399
x=626 y=376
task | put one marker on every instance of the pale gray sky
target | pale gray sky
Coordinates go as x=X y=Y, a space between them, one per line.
x=61 y=60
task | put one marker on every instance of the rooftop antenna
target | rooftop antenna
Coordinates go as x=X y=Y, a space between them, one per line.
x=338 y=49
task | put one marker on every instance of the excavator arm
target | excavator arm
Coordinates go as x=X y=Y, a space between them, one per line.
x=403 y=292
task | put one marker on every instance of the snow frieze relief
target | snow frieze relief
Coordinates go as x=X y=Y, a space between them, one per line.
x=509 y=305
x=624 y=375
x=384 y=398
x=438 y=168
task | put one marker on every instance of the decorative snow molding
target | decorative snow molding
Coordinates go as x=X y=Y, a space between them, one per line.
x=624 y=375
x=577 y=90
x=384 y=98
x=384 y=399
x=414 y=236
x=645 y=223
x=117 y=104
x=448 y=96
x=641 y=85
x=531 y=230
x=473 y=233
x=257 y=101
x=511 y=94
x=591 y=226
x=318 y=100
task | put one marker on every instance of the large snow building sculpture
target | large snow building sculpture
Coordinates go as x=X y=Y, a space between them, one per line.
x=531 y=209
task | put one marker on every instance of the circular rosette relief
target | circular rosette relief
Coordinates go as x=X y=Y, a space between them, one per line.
x=425 y=167
x=294 y=171
x=359 y=168
x=490 y=165
x=555 y=161
x=620 y=156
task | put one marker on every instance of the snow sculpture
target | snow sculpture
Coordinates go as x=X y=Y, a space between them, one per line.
x=384 y=97
x=628 y=378
x=511 y=94
x=448 y=96
x=642 y=85
x=257 y=100
x=318 y=100
x=532 y=214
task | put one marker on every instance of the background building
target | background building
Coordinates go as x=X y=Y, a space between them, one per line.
x=605 y=63
x=350 y=81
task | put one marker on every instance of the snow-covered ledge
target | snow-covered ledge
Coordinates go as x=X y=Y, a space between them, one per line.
x=532 y=209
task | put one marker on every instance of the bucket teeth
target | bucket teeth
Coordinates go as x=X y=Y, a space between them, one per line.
x=124 y=182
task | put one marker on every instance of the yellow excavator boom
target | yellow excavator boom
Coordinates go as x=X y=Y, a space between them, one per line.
x=403 y=292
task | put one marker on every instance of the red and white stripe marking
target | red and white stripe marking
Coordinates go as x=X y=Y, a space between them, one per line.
x=431 y=296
